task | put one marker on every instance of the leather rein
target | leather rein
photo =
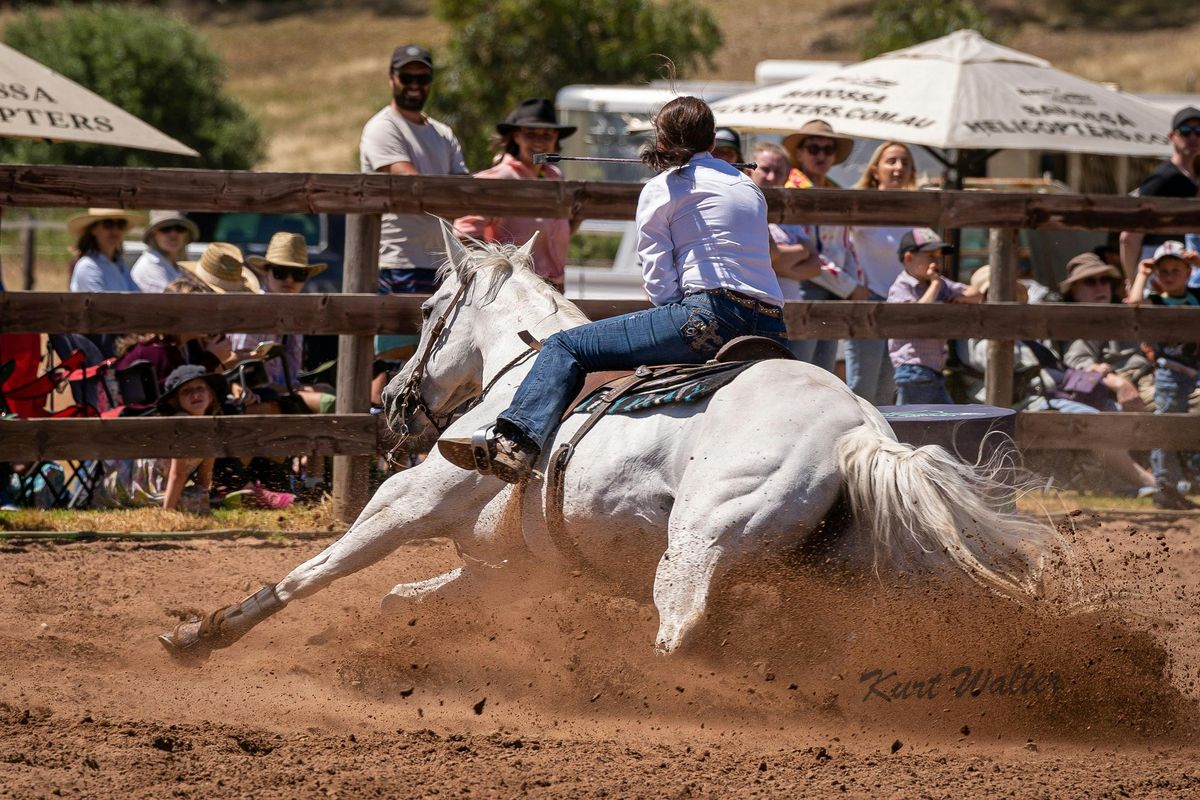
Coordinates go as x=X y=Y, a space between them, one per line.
x=411 y=401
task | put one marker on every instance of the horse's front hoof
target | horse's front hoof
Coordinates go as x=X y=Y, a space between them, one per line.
x=185 y=643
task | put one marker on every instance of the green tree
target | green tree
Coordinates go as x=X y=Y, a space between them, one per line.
x=503 y=51
x=150 y=64
x=896 y=24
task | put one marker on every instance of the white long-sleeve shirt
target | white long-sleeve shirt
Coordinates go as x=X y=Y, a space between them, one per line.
x=704 y=226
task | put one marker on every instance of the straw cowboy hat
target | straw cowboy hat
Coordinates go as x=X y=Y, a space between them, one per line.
x=165 y=219
x=286 y=250
x=222 y=269
x=821 y=128
x=981 y=281
x=79 y=223
x=536 y=112
x=1087 y=265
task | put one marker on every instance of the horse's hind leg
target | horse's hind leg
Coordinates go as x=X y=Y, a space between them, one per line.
x=681 y=585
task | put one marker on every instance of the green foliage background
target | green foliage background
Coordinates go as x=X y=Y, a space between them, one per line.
x=150 y=64
x=896 y=24
x=503 y=51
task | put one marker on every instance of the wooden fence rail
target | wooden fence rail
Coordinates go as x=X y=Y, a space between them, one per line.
x=365 y=314
x=363 y=435
x=215 y=190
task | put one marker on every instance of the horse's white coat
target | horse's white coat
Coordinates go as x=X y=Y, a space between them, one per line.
x=673 y=496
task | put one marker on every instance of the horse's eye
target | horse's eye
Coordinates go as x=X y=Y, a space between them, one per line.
x=426 y=311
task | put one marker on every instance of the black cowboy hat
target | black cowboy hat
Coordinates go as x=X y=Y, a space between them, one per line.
x=536 y=112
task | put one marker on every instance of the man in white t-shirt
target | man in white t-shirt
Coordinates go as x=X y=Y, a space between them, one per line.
x=402 y=140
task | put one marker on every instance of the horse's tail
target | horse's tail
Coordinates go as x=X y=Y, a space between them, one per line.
x=923 y=505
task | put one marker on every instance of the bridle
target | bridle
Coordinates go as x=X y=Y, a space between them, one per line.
x=410 y=400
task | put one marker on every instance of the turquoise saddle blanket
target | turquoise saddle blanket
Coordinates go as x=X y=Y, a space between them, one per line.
x=684 y=383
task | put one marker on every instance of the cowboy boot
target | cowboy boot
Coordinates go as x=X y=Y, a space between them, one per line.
x=491 y=453
x=195 y=639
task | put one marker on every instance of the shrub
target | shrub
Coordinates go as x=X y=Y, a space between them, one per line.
x=503 y=51
x=150 y=64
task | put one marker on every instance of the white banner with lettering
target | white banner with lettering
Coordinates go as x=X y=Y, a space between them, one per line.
x=38 y=103
x=959 y=91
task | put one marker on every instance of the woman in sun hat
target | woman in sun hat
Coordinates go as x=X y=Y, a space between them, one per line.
x=166 y=237
x=98 y=236
x=98 y=266
x=531 y=129
x=284 y=270
x=813 y=151
x=222 y=268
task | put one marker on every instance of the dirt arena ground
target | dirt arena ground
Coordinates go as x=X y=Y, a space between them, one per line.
x=800 y=686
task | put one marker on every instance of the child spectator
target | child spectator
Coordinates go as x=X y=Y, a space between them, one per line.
x=919 y=362
x=192 y=391
x=1175 y=362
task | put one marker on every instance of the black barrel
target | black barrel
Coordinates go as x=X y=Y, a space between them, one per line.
x=972 y=432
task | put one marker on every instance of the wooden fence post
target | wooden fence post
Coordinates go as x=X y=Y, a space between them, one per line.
x=28 y=250
x=1002 y=253
x=356 y=354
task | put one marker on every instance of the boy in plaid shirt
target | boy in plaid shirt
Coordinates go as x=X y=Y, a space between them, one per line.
x=919 y=362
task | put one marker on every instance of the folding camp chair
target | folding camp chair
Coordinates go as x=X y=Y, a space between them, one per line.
x=27 y=397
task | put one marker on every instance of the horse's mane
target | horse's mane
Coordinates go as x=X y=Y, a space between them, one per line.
x=493 y=264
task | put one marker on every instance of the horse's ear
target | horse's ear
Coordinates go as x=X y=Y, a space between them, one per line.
x=454 y=248
x=527 y=248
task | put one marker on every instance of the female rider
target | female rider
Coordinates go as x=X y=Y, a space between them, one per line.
x=703 y=244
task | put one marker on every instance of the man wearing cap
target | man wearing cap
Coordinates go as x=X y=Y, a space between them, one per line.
x=402 y=140
x=1175 y=177
x=727 y=146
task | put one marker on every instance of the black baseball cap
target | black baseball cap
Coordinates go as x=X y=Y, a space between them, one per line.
x=410 y=54
x=922 y=240
x=1183 y=115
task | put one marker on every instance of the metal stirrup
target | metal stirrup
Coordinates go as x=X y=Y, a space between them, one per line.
x=479 y=449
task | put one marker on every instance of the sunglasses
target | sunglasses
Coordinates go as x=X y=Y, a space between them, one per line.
x=113 y=224
x=1188 y=130
x=1095 y=280
x=173 y=229
x=820 y=149
x=295 y=273
x=418 y=78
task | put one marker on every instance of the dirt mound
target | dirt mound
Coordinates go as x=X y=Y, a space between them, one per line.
x=800 y=683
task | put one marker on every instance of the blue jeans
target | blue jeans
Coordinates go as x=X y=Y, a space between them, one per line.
x=1171 y=392
x=688 y=332
x=917 y=385
x=820 y=352
x=868 y=369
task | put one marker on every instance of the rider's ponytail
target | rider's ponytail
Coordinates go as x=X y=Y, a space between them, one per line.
x=682 y=128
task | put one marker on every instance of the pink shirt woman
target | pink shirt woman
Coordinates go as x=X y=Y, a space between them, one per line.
x=530 y=130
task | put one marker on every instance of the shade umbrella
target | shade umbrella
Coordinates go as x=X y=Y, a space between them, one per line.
x=38 y=103
x=959 y=92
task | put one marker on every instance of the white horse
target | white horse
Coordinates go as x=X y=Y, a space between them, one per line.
x=680 y=493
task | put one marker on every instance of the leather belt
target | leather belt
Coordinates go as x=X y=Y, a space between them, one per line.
x=746 y=301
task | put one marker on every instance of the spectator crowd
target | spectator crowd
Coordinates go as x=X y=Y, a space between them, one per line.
x=207 y=372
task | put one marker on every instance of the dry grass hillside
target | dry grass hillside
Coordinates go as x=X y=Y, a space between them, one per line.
x=315 y=77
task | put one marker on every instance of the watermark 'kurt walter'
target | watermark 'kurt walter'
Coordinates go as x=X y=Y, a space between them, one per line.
x=963 y=681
